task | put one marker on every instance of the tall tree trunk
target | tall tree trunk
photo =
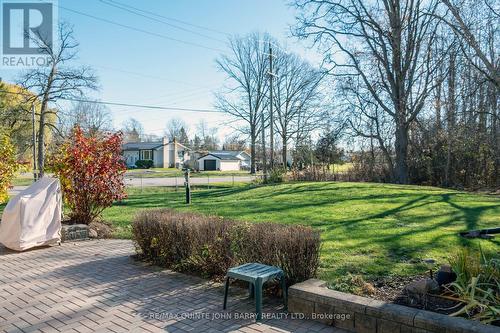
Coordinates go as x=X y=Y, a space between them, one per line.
x=401 y=153
x=438 y=104
x=284 y=151
x=41 y=141
x=41 y=124
x=494 y=136
x=252 y=151
x=450 y=117
x=399 y=94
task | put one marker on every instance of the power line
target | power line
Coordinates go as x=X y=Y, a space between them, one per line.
x=155 y=77
x=142 y=106
x=139 y=29
x=135 y=10
x=172 y=19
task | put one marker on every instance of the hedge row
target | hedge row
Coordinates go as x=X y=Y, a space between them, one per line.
x=210 y=245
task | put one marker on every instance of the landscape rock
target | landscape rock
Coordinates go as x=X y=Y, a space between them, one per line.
x=74 y=232
x=93 y=233
x=445 y=275
x=422 y=287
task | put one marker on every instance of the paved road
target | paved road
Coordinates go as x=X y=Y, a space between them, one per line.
x=94 y=286
x=179 y=181
x=172 y=181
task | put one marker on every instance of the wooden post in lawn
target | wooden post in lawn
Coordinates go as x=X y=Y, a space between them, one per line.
x=188 y=187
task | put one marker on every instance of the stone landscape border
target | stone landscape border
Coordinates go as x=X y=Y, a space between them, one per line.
x=74 y=232
x=364 y=315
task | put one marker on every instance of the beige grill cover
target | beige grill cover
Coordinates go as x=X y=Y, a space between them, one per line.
x=33 y=217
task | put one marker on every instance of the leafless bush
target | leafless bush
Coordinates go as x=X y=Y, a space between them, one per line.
x=209 y=245
x=313 y=174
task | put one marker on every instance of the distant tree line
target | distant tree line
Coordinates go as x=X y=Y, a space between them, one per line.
x=412 y=86
x=417 y=83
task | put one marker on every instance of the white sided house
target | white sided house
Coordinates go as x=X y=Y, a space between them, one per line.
x=224 y=160
x=164 y=154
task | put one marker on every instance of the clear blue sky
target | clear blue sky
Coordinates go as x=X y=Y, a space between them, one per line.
x=170 y=73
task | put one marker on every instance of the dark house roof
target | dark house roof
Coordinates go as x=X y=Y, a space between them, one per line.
x=148 y=145
x=141 y=145
x=222 y=156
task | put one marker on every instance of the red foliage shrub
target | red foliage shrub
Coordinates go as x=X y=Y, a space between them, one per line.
x=91 y=173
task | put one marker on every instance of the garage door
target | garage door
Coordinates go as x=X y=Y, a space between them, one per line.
x=210 y=165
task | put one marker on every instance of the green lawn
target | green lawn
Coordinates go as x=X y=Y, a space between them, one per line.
x=23 y=180
x=368 y=229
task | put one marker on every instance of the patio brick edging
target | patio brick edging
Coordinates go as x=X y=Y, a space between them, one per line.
x=364 y=315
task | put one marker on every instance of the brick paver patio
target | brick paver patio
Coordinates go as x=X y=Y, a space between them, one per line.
x=94 y=286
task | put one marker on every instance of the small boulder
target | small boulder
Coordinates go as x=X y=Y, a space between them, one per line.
x=422 y=287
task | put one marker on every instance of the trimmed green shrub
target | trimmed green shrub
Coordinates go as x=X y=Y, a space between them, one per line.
x=144 y=164
x=210 y=245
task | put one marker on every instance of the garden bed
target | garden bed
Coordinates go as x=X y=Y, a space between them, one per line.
x=392 y=290
x=364 y=315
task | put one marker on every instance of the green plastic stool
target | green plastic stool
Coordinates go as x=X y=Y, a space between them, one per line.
x=256 y=275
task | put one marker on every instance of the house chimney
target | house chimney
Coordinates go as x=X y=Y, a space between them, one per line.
x=175 y=160
x=166 y=161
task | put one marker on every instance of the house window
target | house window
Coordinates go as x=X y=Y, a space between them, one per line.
x=146 y=155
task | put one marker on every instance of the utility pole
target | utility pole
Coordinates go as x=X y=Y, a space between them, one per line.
x=264 y=158
x=33 y=140
x=271 y=116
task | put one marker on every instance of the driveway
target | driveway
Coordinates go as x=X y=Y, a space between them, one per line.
x=94 y=286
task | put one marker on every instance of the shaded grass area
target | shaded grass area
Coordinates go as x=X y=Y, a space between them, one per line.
x=368 y=229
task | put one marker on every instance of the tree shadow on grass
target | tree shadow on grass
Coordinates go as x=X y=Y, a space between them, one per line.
x=410 y=242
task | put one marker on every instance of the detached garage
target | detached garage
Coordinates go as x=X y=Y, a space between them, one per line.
x=220 y=162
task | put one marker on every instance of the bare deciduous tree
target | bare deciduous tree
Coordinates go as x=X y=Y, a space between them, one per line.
x=388 y=45
x=296 y=99
x=57 y=81
x=133 y=130
x=93 y=118
x=206 y=137
x=467 y=32
x=176 y=129
x=245 y=97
